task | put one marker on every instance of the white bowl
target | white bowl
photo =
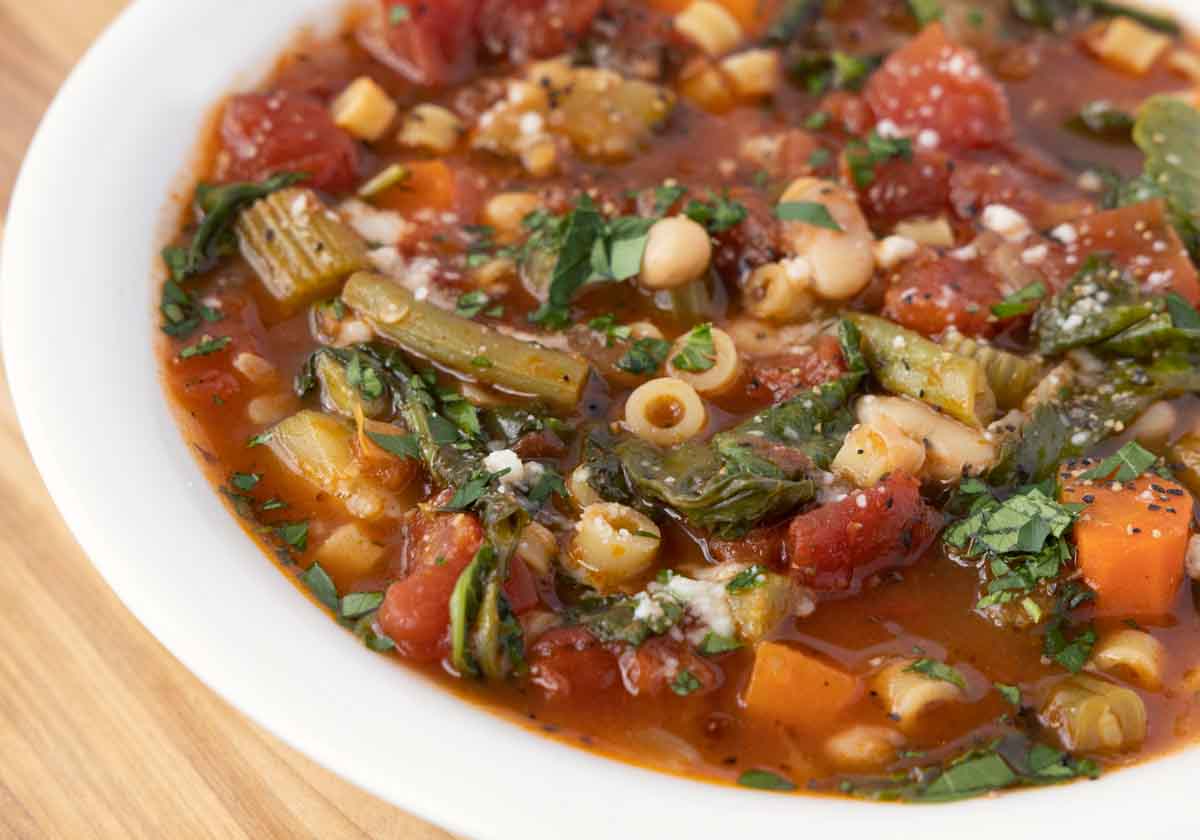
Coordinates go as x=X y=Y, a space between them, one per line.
x=78 y=322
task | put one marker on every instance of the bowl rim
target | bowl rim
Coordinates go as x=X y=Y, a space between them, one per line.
x=438 y=749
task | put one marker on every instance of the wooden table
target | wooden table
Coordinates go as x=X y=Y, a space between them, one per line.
x=102 y=732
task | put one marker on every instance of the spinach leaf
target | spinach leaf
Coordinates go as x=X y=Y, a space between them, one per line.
x=1168 y=133
x=573 y=268
x=619 y=619
x=1098 y=303
x=1129 y=462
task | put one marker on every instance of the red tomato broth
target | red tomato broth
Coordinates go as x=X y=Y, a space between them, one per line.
x=706 y=734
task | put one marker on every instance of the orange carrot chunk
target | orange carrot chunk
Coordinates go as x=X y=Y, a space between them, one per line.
x=794 y=687
x=1132 y=540
x=430 y=185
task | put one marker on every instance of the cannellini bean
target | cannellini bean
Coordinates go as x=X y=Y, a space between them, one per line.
x=952 y=449
x=863 y=747
x=678 y=251
x=843 y=262
x=506 y=213
x=612 y=545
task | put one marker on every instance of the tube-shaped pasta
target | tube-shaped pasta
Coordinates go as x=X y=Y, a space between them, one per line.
x=427 y=330
x=431 y=127
x=908 y=694
x=1089 y=714
x=612 y=545
x=1134 y=653
x=874 y=450
x=911 y=365
x=665 y=412
x=864 y=747
x=842 y=257
x=299 y=249
x=1011 y=377
x=710 y=26
x=725 y=370
x=537 y=547
x=952 y=449
x=780 y=291
x=580 y=490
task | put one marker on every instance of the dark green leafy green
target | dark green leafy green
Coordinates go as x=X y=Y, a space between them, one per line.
x=294 y=534
x=1168 y=133
x=1103 y=120
x=617 y=619
x=245 y=481
x=820 y=72
x=718 y=214
x=206 y=346
x=402 y=446
x=1099 y=302
x=865 y=156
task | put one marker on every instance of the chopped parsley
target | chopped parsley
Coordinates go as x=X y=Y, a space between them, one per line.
x=714 y=644
x=402 y=446
x=550 y=483
x=260 y=439
x=1021 y=301
x=358 y=604
x=698 y=353
x=644 y=356
x=685 y=683
x=472 y=303
x=925 y=11
x=321 y=586
x=749 y=578
x=864 y=157
x=765 y=780
x=1011 y=693
x=245 y=481
x=206 y=346
x=936 y=670
x=666 y=196
x=608 y=327
x=809 y=212
x=718 y=214
x=294 y=534
x=1129 y=462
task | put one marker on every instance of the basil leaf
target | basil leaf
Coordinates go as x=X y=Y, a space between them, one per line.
x=938 y=671
x=294 y=534
x=358 y=604
x=573 y=268
x=698 y=353
x=1129 y=462
x=402 y=446
x=645 y=356
x=245 y=481
x=1021 y=301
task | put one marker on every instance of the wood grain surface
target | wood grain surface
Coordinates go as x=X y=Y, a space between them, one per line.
x=102 y=733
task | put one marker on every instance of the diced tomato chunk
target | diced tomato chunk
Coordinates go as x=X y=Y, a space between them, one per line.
x=762 y=546
x=932 y=84
x=524 y=29
x=432 y=42
x=415 y=613
x=662 y=664
x=932 y=293
x=783 y=376
x=570 y=662
x=437 y=43
x=974 y=186
x=906 y=189
x=848 y=111
x=751 y=243
x=837 y=545
x=265 y=133
x=1140 y=237
x=520 y=589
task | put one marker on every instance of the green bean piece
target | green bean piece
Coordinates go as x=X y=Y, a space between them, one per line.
x=911 y=365
x=457 y=343
x=299 y=249
x=1011 y=377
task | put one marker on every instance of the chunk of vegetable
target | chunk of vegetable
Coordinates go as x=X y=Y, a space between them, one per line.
x=348 y=553
x=1093 y=715
x=758 y=609
x=794 y=687
x=320 y=448
x=429 y=185
x=911 y=365
x=429 y=331
x=1132 y=542
x=300 y=250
